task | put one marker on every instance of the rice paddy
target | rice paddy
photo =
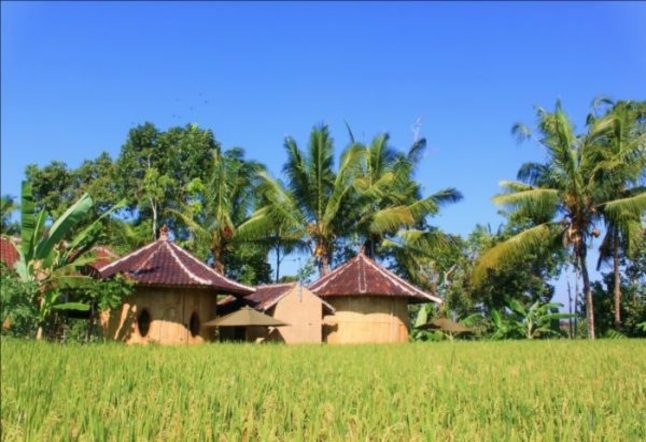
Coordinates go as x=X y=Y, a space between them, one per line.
x=446 y=391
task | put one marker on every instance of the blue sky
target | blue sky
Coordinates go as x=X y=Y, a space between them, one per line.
x=76 y=76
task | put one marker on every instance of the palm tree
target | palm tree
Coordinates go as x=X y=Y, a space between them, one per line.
x=7 y=206
x=624 y=161
x=309 y=205
x=386 y=197
x=277 y=223
x=222 y=204
x=565 y=194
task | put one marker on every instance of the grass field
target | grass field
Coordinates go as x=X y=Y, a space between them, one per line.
x=447 y=391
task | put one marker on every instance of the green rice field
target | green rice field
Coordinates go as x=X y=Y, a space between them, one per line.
x=445 y=391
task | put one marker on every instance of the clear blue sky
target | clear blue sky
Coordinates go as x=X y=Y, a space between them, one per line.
x=76 y=76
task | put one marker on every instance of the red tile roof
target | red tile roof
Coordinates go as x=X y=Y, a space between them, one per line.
x=103 y=256
x=163 y=263
x=265 y=297
x=361 y=276
x=8 y=252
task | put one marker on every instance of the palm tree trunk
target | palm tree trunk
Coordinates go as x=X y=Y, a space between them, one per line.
x=277 y=262
x=324 y=265
x=615 y=263
x=589 y=306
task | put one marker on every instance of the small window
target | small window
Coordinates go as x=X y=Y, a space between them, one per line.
x=143 y=323
x=195 y=324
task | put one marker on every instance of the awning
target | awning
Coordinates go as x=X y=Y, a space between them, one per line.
x=244 y=317
x=444 y=324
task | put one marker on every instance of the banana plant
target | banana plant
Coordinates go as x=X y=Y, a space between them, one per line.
x=48 y=261
x=535 y=321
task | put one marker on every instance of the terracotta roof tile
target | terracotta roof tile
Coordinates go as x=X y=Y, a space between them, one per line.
x=8 y=252
x=163 y=263
x=363 y=276
x=265 y=297
x=103 y=256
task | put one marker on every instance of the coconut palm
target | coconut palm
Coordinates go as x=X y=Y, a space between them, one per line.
x=7 y=206
x=386 y=197
x=622 y=155
x=222 y=204
x=277 y=223
x=310 y=204
x=564 y=194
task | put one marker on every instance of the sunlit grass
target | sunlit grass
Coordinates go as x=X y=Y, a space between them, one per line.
x=462 y=391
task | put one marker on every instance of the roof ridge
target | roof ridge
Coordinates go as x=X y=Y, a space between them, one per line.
x=150 y=257
x=178 y=248
x=280 y=284
x=403 y=283
x=129 y=256
x=179 y=262
x=326 y=279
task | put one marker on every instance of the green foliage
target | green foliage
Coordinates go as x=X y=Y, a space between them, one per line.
x=633 y=306
x=565 y=196
x=18 y=306
x=247 y=264
x=214 y=210
x=155 y=168
x=50 y=259
x=521 y=322
x=8 y=206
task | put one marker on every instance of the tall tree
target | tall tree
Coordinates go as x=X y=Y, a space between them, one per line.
x=622 y=160
x=56 y=186
x=565 y=193
x=218 y=207
x=276 y=222
x=155 y=168
x=312 y=202
x=8 y=206
x=386 y=197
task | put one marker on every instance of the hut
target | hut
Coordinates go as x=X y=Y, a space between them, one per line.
x=371 y=303
x=174 y=293
x=291 y=303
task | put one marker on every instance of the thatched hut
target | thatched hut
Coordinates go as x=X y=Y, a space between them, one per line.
x=291 y=303
x=174 y=294
x=371 y=303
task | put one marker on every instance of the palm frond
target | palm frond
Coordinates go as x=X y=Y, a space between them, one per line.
x=632 y=207
x=512 y=250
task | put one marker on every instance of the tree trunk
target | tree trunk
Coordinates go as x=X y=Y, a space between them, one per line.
x=277 y=262
x=39 y=330
x=589 y=306
x=154 y=209
x=90 y=324
x=615 y=263
x=324 y=265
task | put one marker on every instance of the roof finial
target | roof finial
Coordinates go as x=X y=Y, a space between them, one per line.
x=362 y=249
x=163 y=233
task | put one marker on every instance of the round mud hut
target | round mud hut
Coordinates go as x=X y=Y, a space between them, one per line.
x=174 y=294
x=370 y=302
